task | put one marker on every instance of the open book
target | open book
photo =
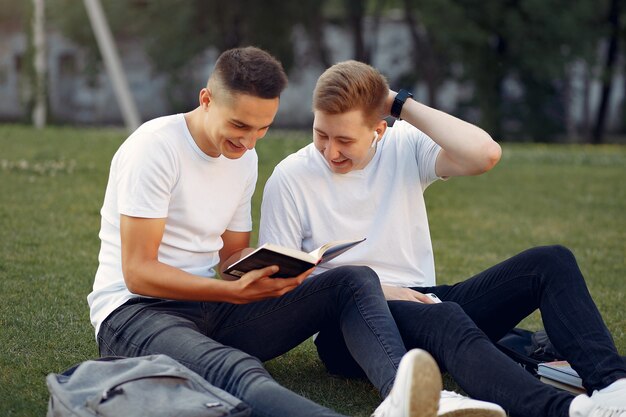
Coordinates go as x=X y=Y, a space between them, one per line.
x=291 y=262
x=561 y=375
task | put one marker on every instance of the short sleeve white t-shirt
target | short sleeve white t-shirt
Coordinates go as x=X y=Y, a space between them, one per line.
x=160 y=172
x=306 y=205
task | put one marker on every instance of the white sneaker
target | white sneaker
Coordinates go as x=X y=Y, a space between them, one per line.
x=416 y=390
x=608 y=402
x=452 y=404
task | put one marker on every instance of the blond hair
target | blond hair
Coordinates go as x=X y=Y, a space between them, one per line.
x=351 y=85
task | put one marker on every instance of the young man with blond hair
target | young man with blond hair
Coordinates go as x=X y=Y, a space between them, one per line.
x=177 y=209
x=361 y=178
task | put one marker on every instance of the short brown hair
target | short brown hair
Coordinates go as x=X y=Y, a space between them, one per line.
x=249 y=71
x=351 y=85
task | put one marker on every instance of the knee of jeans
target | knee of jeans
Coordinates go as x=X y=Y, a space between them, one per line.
x=437 y=328
x=448 y=316
x=556 y=262
x=234 y=371
x=551 y=255
x=359 y=276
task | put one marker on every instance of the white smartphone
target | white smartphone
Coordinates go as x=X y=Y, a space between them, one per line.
x=433 y=297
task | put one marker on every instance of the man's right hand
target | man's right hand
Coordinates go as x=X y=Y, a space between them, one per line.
x=405 y=294
x=257 y=285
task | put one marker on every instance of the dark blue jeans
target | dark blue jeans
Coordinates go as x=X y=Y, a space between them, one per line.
x=460 y=332
x=226 y=343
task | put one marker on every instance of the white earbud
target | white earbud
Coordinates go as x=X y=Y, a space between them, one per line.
x=375 y=139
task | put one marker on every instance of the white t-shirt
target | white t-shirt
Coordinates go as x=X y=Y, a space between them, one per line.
x=160 y=172
x=306 y=205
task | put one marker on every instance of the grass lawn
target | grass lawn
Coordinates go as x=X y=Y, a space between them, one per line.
x=51 y=188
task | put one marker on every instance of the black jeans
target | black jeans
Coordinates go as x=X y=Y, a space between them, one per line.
x=226 y=343
x=460 y=332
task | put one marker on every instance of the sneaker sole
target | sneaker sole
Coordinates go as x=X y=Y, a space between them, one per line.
x=473 y=412
x=426 y=385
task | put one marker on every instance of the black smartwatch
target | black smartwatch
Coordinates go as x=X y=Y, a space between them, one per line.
x=398 y=102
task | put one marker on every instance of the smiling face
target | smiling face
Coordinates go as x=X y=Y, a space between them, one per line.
x=232 y=124
x=345 y=140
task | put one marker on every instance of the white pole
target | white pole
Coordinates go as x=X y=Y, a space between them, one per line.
x=113 y=64
x=39 y=47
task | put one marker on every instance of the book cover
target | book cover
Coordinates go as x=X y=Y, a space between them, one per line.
x=560 y=371
x=561 y=385
x=291 y=262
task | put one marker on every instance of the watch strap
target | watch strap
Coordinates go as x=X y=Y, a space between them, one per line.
x=398 y=102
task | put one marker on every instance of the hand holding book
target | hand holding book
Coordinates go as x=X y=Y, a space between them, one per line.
x=291 y=262
x=257 y=285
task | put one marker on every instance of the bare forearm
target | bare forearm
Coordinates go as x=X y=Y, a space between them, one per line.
x=156 y=279
x=469 y=149
x=231 y=260
x=451 y=133
x=145 y=275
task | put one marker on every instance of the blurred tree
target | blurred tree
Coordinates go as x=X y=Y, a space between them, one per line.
x=313 y=19
x=355 y=12
x=203 y=23
x=40 y=67
x=266 y=24
x=363 y=36
x=430 y=46
x=19 y=16
x=14 y=13
x=615 y=23
x=362 y=20
x=623 y=68
x=517 y=54
x=177 y=31
x=70 y=17
x=514 y=54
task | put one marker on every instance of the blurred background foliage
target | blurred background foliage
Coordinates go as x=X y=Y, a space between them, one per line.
x=487 y=44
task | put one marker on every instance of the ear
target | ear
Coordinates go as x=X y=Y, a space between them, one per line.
x=205 y=98
x=380 y=128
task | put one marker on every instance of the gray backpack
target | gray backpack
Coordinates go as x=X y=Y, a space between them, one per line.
x=155 y=386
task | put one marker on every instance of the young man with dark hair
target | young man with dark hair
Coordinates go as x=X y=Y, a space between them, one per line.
x=177 y=207
x=361 y=178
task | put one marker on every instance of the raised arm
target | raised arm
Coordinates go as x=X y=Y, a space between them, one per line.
x=145 y=275
x=466 y=148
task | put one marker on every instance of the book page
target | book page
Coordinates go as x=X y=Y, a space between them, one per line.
x=333 y=249
x=294 y=253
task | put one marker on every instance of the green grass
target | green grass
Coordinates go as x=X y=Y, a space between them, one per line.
x=51 y=188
